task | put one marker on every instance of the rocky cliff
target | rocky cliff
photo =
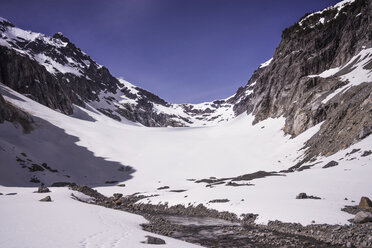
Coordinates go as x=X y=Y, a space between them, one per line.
x=320 y=73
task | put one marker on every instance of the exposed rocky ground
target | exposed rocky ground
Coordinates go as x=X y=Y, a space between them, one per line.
x=200 y=225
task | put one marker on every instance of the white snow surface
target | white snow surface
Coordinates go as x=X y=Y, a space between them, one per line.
x=64 y=222
x=172 y=156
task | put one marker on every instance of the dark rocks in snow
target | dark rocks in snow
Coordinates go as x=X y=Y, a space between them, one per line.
x=164 y=187
x=43 y=189
x=34 y=180
x=63 y=184
x=352 y=152
x=365 y=203
x=363 y=217
x=46 y=199
x=233 y=184
x=305 y=196
x=219 y=201
x=366 y=153
x=35 y=167
x=1 y=193
x=121 y=185
x=88 y=191
x=330 y=164
x=11 y=194
x=154 y=240
x=178 y=190
x=111 y=182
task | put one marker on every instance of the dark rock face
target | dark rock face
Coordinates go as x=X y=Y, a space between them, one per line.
x=283 y=88
x=10 y=113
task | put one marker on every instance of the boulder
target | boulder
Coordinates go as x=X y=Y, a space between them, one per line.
x=365 y=203
x=305 y=196
x=43 y=189
x=301 y=196
x=46 y=199
x=154 y=240
x=330 y=164
x=363 y=217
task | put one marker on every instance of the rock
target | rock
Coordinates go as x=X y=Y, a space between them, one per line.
x=111 y=182
x=330 y=164
x=305 y=196
x=164 y=187
x=366 y=153
x=117 y=196
x=364 y=132
x=219 y=201
x=121 y=185
x=349 y=245
x=363 y=217
x=11 y=194
x=365 y=203
x=43 y=189
x=46 y=199
x=63 y=184
x=154 y=240
x=301 y=196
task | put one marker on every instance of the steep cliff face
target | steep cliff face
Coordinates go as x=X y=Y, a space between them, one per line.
x=320 y=72
x=11 y=113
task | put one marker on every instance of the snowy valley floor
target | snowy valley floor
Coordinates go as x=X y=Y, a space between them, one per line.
x=95 y=150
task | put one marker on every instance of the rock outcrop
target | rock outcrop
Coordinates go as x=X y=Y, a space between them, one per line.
x=292 y=84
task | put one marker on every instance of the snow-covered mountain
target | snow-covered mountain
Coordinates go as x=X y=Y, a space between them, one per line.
x=57 y=74
x=302 y=123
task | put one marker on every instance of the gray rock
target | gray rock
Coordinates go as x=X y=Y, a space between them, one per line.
x=363 y=217
x=364 y=132
x=117 y=195
x=11 y=194
x=366 y=153
x=46 y=199
x=330 y=164
x=154 y=240
x=43 y=189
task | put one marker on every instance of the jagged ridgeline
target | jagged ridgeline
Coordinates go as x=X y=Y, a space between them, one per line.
x=320 y=73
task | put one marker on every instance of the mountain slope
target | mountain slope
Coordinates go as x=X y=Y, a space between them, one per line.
x=307 y=107
x=54 y=72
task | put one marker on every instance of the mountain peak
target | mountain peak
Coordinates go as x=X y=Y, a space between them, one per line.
x=61 y=37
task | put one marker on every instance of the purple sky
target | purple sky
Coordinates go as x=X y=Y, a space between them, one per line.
x=182 y=50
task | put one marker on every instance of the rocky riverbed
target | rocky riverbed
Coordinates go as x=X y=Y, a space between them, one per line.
x=210 y=228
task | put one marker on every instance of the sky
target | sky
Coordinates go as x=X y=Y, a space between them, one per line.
x=185 y=51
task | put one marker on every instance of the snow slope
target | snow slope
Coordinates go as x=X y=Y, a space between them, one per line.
x=172 y=156
x=65 y=222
